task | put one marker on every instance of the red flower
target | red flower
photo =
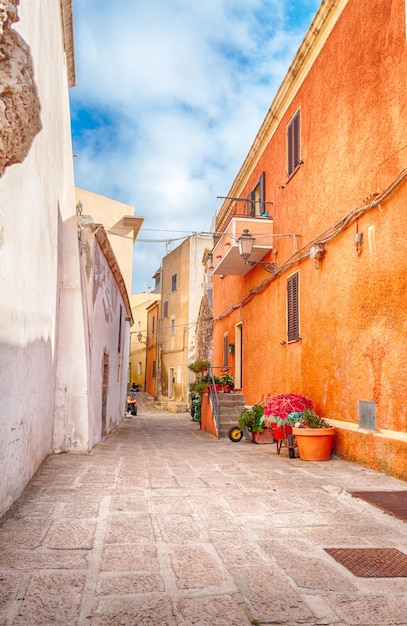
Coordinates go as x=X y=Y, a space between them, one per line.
x=285 y=403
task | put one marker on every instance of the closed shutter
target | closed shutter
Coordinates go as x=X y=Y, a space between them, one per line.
x=293 y=318
x=293 y=144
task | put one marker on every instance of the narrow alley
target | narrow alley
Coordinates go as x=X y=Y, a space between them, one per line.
x=163 y=525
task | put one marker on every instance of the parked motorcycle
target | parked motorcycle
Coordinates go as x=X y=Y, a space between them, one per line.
x=195 y=402
x=132 y=403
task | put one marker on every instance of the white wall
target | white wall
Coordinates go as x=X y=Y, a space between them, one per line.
x=37 y=211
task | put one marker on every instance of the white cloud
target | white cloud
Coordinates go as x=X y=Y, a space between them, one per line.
x=169 y=97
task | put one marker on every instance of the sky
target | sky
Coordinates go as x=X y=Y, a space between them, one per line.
x=169 y=97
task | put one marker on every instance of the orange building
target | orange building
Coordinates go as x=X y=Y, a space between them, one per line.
x=322 y=197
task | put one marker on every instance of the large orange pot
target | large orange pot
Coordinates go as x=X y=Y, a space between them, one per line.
x=314 y=444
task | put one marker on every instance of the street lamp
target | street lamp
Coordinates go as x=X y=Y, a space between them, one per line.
x=245 y=244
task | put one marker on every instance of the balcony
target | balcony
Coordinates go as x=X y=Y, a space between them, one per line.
x=226 y=257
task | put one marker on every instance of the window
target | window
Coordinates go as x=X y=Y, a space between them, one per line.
x=174 y=282
x=293 y=318
x=257 y=198
x=139 y=368
x=172 y=327
x=293 y=144
x=165 y=308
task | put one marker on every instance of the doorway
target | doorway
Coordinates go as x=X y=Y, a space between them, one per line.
x=105 y=386
x=239 y=356
x=171 y=380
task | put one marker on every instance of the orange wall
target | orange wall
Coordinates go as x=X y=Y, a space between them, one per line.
x=353 y=309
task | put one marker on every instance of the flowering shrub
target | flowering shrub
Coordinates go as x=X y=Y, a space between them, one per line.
x=227 y=378
x=278 y=408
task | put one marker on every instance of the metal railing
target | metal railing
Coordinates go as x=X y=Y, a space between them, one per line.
x=214 y=400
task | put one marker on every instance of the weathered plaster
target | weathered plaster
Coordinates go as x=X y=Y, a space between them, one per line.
x=19 y=103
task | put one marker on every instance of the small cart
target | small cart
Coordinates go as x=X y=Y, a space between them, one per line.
x=284 y=438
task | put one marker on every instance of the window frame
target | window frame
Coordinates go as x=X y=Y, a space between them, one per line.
x=257 y=198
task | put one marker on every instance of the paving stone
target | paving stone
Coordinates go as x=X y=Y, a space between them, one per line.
x=10 y=584
x=171 y=505
x=42 y=559
x=179 y=528
x=129 y=504
x=52 y=598
x=195 y=568
x=127 y=557
x=81 y=510
x=130 y=584
x=212 y=611
x=129 y=528
x=23 y=533
x=73 y=535
x=133 y=611
x=372 y=610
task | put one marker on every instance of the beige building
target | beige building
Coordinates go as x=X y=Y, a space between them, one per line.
x=119 y=223
x=182 y=284
x=140 y=303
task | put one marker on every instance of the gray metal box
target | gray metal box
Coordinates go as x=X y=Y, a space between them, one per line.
x=367 y=414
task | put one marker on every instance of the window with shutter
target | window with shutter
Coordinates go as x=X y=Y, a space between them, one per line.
x=293 y=144
x=257 y=198
x=293 y=318
x=165 y=308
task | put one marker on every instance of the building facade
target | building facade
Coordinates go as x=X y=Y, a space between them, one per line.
x=140 y=304
x=182 y=288
x=64 y=313
x=318 y=306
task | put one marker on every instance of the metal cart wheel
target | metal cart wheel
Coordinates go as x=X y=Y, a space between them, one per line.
x=235 y=433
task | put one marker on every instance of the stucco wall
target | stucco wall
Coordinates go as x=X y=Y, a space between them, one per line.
x=36 y=204
x=178 y=348
x=353 y=312
x=108 y=338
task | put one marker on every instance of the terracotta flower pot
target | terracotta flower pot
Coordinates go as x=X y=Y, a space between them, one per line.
x=314 y=444
x=266 y=436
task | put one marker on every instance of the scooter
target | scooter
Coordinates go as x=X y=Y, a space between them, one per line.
x=132 y=403
x=195 y=400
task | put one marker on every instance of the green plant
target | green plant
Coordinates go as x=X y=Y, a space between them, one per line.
x=199 y=365
x=198 y=386
x=310 y=419
x=227 y=379
x=252 y=419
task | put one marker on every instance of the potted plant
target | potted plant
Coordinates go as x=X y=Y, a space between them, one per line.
x=280 y=413
x=200 y=365
x=252 y=419
x=314 y=436
x=227 y=381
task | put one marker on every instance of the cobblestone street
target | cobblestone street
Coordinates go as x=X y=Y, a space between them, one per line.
x=163 y=525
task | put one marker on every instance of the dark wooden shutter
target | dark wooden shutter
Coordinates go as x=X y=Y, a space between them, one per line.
x=293 y=143
x=251 y=204
x=293 y=320
x=262 y=193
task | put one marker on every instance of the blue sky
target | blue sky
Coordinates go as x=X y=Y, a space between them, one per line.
x=170 y=95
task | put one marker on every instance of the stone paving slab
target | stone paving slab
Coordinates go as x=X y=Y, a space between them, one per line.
x=163 y=525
